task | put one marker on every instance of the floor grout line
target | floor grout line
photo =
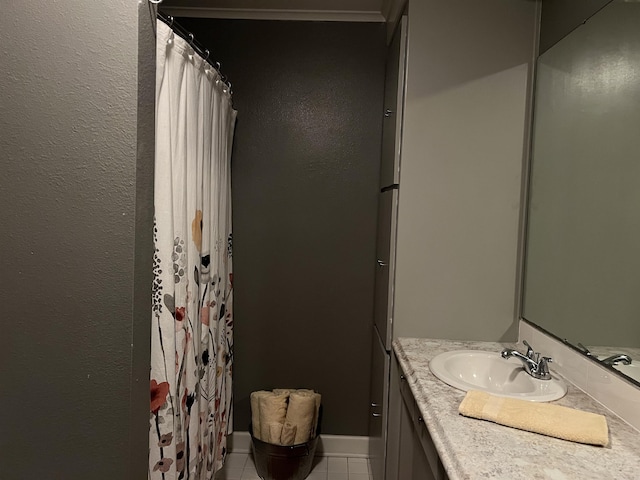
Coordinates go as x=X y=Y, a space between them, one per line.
x=241 y=466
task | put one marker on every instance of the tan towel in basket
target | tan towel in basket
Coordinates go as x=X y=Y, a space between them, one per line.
x=280 y=391
x=301 y=413
x=314 y=426
x=305 y=391
x=288 y=436
x=255 y=413
x=552 y=420
x=273 y=409
x=274 y=433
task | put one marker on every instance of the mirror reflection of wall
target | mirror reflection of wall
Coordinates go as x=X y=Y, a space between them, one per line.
x=582 y=277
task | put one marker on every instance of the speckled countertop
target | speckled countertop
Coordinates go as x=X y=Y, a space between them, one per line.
x=476 y=449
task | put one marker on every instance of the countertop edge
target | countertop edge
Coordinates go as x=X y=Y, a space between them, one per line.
x=438 y=404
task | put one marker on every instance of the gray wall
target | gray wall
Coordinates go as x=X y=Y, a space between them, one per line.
x=560 y=17
x=76 y=216
x=305 y=172
x=461 y=168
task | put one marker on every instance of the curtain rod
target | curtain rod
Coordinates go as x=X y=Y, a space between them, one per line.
x=191 y=39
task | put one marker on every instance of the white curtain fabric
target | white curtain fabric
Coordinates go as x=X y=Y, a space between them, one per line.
x=192 y=324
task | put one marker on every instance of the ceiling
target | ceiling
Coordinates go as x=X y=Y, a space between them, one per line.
x=346 y=10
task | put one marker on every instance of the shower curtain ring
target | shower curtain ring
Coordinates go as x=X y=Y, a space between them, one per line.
x=206 y=54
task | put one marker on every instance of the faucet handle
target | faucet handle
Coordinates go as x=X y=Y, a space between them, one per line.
x=584 y=349
x=530 y=352
x=543 y=367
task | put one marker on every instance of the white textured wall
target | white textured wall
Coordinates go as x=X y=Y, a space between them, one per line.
x=461 y=168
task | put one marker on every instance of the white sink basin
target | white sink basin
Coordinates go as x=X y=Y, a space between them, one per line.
x=488 y=371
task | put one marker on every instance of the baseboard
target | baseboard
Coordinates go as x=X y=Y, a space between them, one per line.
x=328 y=445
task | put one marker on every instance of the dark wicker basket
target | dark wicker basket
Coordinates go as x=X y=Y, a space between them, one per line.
x=278 y=462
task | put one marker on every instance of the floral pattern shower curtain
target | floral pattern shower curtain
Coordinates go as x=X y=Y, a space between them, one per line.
x=192 y=324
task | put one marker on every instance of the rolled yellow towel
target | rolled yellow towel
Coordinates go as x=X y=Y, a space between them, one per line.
x=314 y=426
x=274 y=433
x=288 y=436
x=280 y=391
x=552 y=420
x=273 y=409
x=301 y=413
x=318 y=399
x=255 y=412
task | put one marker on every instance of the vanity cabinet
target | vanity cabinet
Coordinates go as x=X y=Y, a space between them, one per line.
x=452 y=156
x=411 y=454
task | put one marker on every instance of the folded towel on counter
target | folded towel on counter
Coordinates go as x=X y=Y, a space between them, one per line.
x=272 y=410
x=288 y=436
x=552 y=420
x=301 y=413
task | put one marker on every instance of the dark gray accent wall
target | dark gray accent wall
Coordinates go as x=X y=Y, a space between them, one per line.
x=75 y=232
x=561 y=17
x=305 y=174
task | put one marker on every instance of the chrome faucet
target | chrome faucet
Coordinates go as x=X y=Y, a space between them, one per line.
x=616 y=359
x=534 y=365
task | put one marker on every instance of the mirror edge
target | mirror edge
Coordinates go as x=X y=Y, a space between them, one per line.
x=575 y=348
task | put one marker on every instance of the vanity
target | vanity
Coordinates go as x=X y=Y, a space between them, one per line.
x=577 y=298
x=429 y=439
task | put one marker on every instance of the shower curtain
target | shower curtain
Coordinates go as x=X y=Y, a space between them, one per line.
x=192 y=324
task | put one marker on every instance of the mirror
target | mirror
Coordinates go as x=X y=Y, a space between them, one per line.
x=582 y=270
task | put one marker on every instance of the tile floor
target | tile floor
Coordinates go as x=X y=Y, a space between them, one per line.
x=240 y=466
